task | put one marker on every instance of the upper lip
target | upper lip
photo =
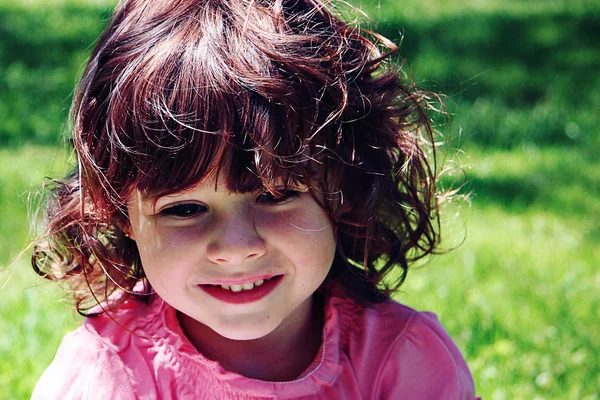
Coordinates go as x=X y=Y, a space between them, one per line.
x=239 y=281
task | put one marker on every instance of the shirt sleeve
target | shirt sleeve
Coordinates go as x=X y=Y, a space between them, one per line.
x=424 y=363
x=84 y=368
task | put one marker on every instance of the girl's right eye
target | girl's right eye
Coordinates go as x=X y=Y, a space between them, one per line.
x=270 y=198
x=183 y=211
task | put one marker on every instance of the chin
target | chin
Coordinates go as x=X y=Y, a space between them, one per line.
x=243 y=333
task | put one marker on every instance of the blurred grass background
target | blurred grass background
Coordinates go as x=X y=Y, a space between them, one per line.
x=521 y=295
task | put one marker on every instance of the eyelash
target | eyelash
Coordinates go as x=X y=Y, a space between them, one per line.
x=269 y=197
x=191 y=210
x=183 y=210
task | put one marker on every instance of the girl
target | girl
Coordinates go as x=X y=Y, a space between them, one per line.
x=251 y=187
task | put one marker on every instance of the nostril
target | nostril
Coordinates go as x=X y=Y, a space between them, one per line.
x=227 y=248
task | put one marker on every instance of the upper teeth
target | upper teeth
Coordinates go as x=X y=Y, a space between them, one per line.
x=245 y=286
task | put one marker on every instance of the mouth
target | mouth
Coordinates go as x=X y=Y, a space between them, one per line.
x=236 y=288
x=242 y=293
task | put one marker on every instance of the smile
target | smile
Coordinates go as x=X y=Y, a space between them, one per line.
x=242 y=293
x=246 y=286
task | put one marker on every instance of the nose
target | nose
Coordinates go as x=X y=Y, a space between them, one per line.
x=235 y=241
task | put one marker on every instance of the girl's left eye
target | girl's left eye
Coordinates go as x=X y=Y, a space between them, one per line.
x=270 y=198
x=185 y=210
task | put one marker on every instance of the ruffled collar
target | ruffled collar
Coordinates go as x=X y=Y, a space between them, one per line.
x=323 y=371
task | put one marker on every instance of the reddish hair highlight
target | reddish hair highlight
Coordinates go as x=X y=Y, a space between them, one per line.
x=254 y=90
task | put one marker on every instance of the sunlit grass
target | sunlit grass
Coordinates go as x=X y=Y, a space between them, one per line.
x=521 y=298
x=392 y=10
x=32 y=317
x=56 y=3
x=24 y=170
x=521 y=295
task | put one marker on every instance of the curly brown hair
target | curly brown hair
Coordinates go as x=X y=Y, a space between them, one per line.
x=251 y=89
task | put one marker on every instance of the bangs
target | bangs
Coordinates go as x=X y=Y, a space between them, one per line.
x=241 y=146
x=226 y=90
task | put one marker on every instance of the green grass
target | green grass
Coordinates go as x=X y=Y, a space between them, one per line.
x=32 y=317
x=42 y=51
x=520 y=296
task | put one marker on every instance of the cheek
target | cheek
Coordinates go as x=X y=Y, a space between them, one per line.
x=167 y=268
x=306 y=215
x=166 y=251
x=306 y=233
x=182 y=238
x=298 y=223
x=152 y=238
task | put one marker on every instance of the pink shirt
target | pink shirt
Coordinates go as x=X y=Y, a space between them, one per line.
x=383 y=351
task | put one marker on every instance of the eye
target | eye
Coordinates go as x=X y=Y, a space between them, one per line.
x=270 y=198
x=184 y=210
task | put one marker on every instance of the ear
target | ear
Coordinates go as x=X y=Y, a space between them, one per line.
x=124 y=225
x=128 y=232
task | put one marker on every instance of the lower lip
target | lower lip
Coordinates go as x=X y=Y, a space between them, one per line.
x=245 y=296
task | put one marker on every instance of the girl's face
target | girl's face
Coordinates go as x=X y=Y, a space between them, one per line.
x=241 y=264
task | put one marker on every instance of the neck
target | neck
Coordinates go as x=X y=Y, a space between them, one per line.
x=282 y=355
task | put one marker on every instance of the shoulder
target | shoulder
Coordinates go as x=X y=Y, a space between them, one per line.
x=407 y=352
x=97 y=360
x=84 y=367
